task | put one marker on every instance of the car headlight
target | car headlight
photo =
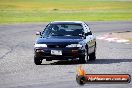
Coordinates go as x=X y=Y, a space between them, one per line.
x=74 y=45
x=40 y=45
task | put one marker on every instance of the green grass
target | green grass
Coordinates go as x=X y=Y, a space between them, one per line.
x=49 y=10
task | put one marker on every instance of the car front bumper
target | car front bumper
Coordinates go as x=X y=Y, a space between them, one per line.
x=67 y=53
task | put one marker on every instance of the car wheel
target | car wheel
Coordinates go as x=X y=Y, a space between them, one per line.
x=84 y=58
x=92 y=56
x=37 y=60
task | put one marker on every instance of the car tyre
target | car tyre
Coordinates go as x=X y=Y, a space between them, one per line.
x=92 y=56
x=37 y=60
x=84 y=58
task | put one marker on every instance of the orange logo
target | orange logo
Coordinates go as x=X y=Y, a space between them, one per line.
x=83 y=78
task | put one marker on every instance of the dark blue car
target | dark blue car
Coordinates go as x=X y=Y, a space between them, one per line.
x=63 y=40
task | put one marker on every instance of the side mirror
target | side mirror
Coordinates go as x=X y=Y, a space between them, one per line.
x=88 y=33
x=83 y=35
x=38 y=33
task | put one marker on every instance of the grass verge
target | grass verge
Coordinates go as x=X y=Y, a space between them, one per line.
x=49 y=10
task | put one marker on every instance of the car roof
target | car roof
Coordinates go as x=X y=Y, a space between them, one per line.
x=67 y=22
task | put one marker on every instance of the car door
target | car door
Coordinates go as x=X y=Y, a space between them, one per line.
x=90 y=38
x=91 y=42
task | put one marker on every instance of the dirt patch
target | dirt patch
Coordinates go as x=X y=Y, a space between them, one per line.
x=123 y=35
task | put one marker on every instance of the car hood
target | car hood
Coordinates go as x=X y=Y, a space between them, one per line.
x=59 y=40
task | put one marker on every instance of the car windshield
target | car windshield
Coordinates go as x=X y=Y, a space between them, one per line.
x=63 y=30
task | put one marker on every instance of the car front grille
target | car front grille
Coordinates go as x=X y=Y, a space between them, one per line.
x=56 y=46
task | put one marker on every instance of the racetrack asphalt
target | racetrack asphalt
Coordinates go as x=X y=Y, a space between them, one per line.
x=17 y=69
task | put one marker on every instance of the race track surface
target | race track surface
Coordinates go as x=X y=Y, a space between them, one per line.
x=17 y=69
